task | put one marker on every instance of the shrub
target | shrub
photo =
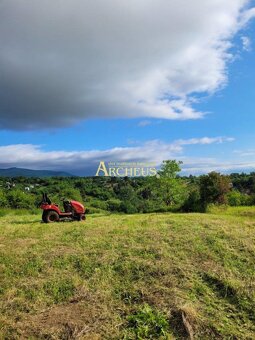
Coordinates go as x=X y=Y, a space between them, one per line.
x=3 y=199
x=114 y=204
x=236 y=198
x=128 y=208
x=99 y=204
x=193 y=201
x=214 y=188
x=20 y=199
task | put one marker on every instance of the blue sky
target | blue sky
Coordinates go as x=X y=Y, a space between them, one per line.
x=227 y=119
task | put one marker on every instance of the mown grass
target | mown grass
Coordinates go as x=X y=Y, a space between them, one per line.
x=153 y=276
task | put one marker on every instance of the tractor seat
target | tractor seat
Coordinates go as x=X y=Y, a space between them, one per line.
x=67 y=206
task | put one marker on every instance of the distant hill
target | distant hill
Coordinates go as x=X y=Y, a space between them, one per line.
x=16 y=172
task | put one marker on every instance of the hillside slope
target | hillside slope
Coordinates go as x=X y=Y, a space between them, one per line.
x=128 y=276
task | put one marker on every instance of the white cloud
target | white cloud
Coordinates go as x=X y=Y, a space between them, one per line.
x=82 y=162
x=144 y=123
x=245 y=153
x=206 y=165
x=246 y=16
x=64 y=61
x=204 y=140
x=246 y=43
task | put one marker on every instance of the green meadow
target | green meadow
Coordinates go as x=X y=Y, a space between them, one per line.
x=143 y=276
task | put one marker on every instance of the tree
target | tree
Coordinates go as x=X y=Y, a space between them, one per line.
x=169 y=169
x=193 y=200
x=171 y=190
x=213 y=188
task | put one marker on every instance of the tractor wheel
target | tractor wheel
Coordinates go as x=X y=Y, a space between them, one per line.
x=81 y=217
x=44 y=215
x=50 y=216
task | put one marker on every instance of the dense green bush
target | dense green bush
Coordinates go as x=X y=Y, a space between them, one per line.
x=214 y=188
x=236 y=198
x=102 y=205
x=114 y=204
x=193 y=200
x=127 y=207
x=3 y=200
x=20 y=199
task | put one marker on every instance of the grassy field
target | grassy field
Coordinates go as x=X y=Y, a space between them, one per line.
x=154 y=276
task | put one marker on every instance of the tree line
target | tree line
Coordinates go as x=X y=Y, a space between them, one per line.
x=167 y=191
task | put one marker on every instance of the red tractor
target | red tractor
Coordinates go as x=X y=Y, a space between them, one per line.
x=73 y=211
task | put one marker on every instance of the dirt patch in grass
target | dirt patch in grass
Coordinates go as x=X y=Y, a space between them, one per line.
x=85 y=315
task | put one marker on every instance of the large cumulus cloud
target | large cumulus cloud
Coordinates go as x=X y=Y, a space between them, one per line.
x=63 y=61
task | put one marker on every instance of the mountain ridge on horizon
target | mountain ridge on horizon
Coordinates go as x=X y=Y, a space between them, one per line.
x=23 y=172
